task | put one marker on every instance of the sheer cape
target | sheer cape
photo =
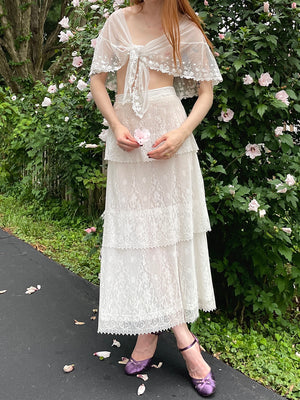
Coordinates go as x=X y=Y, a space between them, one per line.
x=115 y=48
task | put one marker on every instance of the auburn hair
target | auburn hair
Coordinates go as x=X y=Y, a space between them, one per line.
x=170 y=22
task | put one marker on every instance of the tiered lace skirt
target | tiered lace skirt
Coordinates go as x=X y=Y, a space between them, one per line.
x=155 y=270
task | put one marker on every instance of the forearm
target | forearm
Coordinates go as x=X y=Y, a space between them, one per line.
x=199 y=110
x=103 y=101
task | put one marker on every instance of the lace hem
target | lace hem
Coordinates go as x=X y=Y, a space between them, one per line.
x=154 y=325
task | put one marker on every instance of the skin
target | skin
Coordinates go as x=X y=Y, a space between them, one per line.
x=146 y=25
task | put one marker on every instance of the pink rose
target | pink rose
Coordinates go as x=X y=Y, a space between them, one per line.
x=266 y=6
x=253 y=205
x=290 y=180
x=283 y=96
x=141 y=136
x=294 y=5
x=265 y=79
x=221 y=36
x=252 y=150
x=46 y=102
x=77 y=62
x=93 y=229
x=227 y=115
x=248 y=79
x=262 y=213
x=64 y=22
x=206 y=3
x=217 y=54
x=52 y=89
x=93 y=43
x=279 y=131
x=81 y=85
x=72 y=79
x=89 y=96
x=287 y=230
x=279 y=186
x=76 y=3
x=88 y=230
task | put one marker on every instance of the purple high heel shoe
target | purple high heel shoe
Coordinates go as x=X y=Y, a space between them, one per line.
x=204 y=386
x=134 y=367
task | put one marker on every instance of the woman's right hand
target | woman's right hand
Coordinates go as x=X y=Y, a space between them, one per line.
x=124 y=138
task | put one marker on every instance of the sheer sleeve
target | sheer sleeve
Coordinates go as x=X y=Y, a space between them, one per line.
x=111 y=51
x=198 y=62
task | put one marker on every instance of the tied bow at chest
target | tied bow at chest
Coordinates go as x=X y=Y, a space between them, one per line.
x=137 y=81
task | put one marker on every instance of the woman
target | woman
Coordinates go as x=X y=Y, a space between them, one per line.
x=155 y=271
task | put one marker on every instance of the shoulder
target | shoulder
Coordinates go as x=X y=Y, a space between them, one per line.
x=189 y=31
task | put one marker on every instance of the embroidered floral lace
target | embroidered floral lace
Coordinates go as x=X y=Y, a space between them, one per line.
x=115 y=49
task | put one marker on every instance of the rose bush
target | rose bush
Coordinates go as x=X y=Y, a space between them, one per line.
x=249 y=144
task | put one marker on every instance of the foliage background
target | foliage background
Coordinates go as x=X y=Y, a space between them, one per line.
x=255 y=262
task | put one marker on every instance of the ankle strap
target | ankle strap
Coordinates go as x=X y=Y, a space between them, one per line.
x=191 y=345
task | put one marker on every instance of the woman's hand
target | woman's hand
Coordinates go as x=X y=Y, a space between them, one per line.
x=124 y=138
x=171 y=140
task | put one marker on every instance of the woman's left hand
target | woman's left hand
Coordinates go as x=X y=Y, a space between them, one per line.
x=171 y=140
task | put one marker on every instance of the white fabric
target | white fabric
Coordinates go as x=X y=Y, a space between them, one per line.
x=115 y=48
x=155 y=270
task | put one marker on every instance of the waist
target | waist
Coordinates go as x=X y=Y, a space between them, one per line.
x=153 y=94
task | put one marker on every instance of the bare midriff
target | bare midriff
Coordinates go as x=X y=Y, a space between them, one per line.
x=157 y=79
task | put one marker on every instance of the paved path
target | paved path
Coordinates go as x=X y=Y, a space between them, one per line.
x=38 y=337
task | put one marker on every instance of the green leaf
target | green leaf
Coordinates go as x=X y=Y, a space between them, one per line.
x=261 y=108
x=218 y=168
x=286 y=252
x=297 y=107
x=238 y=64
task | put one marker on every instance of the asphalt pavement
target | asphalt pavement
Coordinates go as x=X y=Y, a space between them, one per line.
x=38 y=337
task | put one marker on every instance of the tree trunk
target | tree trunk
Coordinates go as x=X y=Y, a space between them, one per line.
x=23 y=49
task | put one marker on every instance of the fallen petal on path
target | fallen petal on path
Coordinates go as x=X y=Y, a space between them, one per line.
x=141 y=389
x=78 y=322
x=116 y=343
x=123 y=361
x=68 y=368
x=143 y=376
x=102 y=354
x=3 y=291
x=159 y=365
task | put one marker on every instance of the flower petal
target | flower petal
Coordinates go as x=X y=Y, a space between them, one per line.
x=159 y=365
x=68 y=368
x=116 y=343
x=102 y=354
x=3 y=291
x=78 y=322
x=93 y=317
x=123 y=361
x=143 y=376
x=141 y=389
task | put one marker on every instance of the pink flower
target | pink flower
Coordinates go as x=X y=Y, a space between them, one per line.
x=205 y=3
x=283 y=96
x=77 y=62
x=290 y=180
x=93 y=43
x=248 y=79
x=262 y=213
x=76 y=3
x=89 y=96
x=64 y=22
x=266 y=6
x=93 y=229
x=92 y=1
x=221 y=36
x=88 y=230
x=106 y=13
x=52 y=89
x=279 y=186
x=227 y=115
x=287 y=230
x=217 y=54
x=95 y=7
x=141 y=136
x=46 y=102
x=63 y=37
x=279 y=131
x=81 y=85
x=294 y=5
x=253 y=205
x=72 y=79
x=252 y=150
x=265 y=79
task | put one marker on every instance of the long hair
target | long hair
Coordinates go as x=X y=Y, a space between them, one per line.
x=170 y=22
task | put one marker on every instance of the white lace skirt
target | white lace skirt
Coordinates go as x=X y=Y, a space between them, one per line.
x=155 y=270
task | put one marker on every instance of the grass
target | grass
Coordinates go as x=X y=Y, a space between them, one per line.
x=266 y=352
